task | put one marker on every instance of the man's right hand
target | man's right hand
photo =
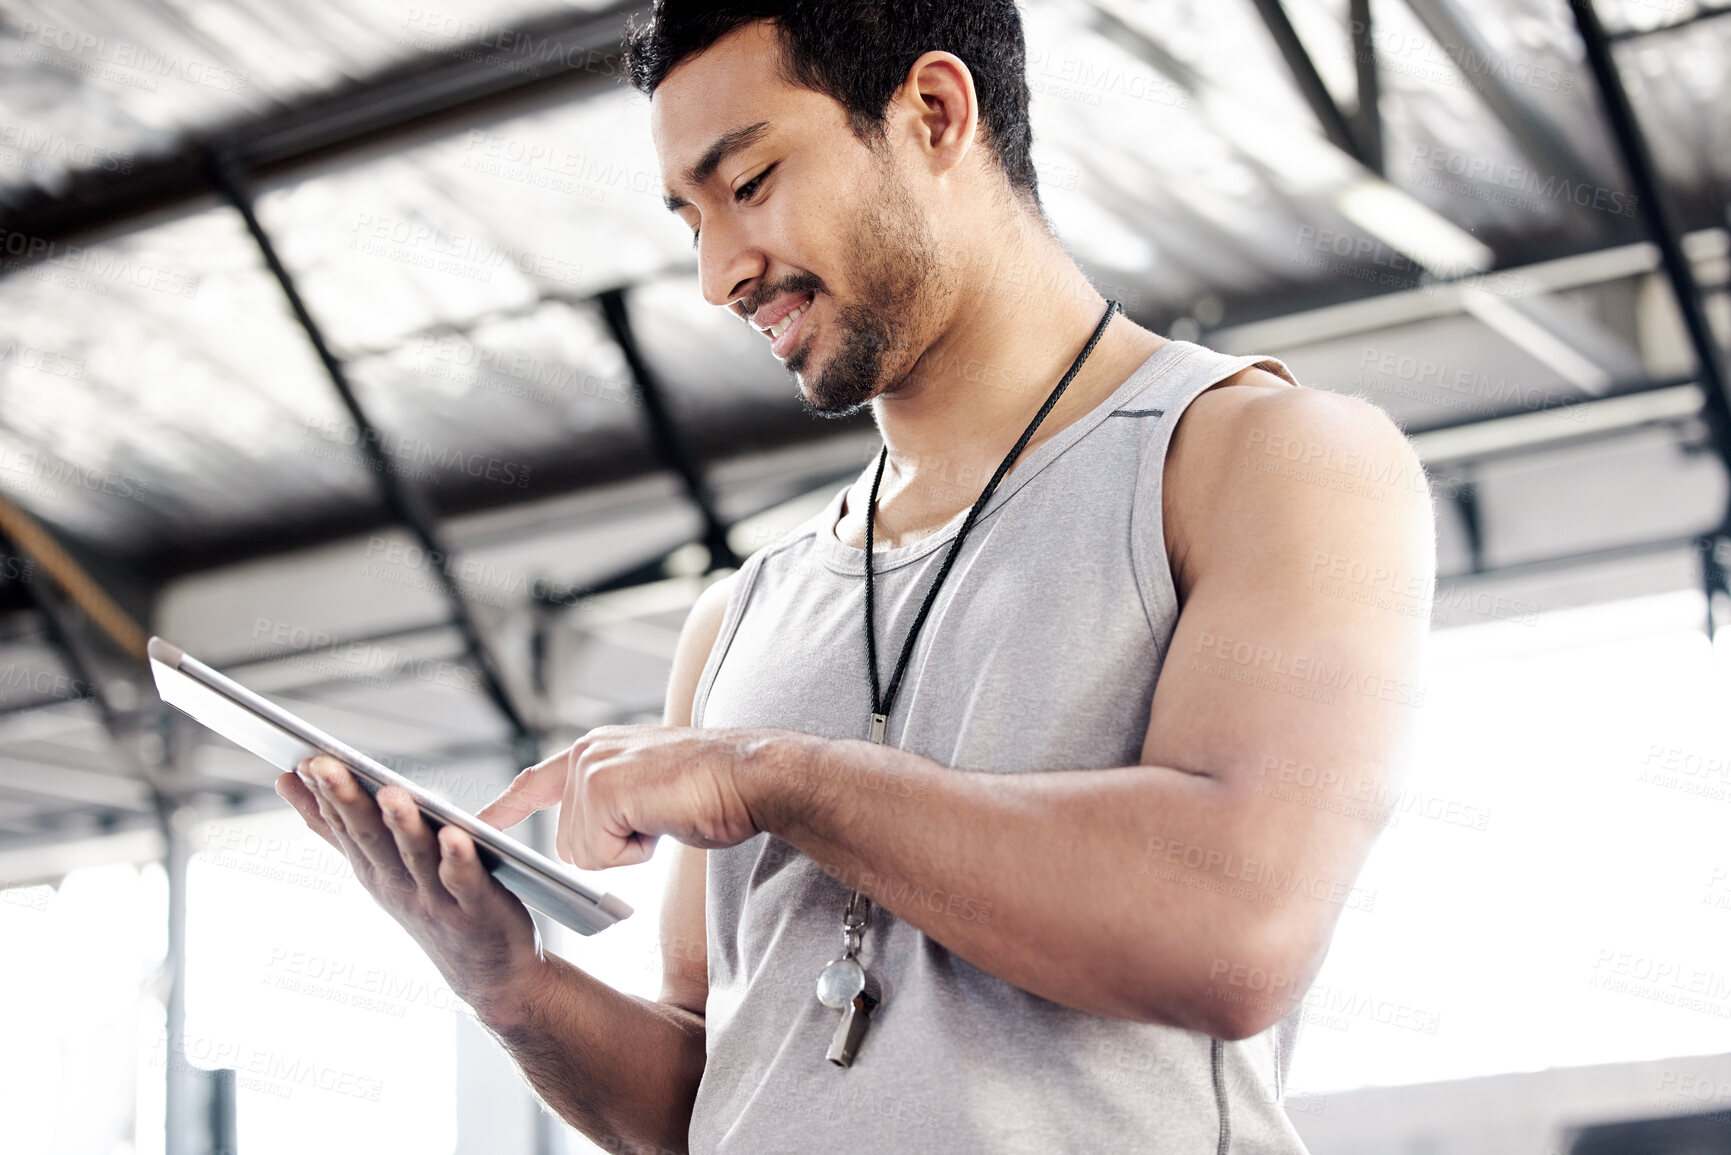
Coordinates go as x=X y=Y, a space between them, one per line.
x=476 y=932
x=622 y=1069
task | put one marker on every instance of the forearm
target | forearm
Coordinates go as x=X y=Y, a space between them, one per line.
x=623 y=1070
x=1060 y=882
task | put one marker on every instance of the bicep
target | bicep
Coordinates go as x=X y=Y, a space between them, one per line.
x=1292 y=679
x=684 y=937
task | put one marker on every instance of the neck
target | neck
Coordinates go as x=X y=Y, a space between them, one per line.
x=1015 y=329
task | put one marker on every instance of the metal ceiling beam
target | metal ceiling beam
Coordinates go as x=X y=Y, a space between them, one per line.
x=1542 y=427
x=1713 y=554
x=1685 y=22
x=1661 y=223
x=406 y=503
x=664 y=432
x=1567 y=561
x=1335 y=124
x=1367 y=118
x=31 y=705
x=1106 y=23
x=1534 y=132
x=1446 y=298
x=1465 y=498
x=1515 y=323
x=39 y=599
x=88 y=684
x=30 y=720
x=1602 y=356
x=108 y=791
x=30 y=540
x=149 y=786
x=529 y=66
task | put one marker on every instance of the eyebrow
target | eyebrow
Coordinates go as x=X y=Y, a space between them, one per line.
x=725 y=146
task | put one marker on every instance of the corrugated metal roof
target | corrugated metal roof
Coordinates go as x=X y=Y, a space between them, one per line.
x=167 y=402
x=161 y=412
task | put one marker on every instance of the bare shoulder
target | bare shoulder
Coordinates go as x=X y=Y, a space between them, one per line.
x=1256 y=454
x=1256 y=410
x=711 y=604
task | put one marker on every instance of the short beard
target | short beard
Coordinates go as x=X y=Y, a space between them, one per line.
x=897 y=264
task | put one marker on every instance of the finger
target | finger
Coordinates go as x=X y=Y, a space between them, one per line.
x=605 y=840
x=333 y=821
x=611 y=850
x=536 y=788
x=296 y=794
x=461 y=871
x=329 y=815
x=594 y=832
x=416 y=846
x=360 y=821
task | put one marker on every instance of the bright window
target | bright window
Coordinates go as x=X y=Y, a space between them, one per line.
x=1589 y=920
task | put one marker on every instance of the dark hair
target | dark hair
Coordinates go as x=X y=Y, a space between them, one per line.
x=858 y=52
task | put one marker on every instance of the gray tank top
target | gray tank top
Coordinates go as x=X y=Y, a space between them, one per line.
x=1041 y=652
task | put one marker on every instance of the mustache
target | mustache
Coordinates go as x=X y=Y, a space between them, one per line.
x=798 y=283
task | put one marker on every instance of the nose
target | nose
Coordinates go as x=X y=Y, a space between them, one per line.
x=727 y=262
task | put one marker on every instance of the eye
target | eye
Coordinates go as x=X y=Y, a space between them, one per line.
x=749 y=189
x=740 y=195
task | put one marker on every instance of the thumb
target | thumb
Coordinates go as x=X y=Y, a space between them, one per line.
x=536 y=788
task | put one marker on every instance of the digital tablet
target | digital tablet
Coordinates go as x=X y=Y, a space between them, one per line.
x=285 y=741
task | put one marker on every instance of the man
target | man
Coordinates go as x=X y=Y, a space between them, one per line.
x=1122 y=796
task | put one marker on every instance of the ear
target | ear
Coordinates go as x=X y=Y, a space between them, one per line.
x=937 y=106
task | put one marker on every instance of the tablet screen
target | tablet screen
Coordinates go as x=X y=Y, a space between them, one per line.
x=284 y=740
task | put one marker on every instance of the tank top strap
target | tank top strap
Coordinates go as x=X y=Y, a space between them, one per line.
x=1191 y=372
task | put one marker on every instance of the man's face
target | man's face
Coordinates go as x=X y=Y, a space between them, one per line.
x=793 y=212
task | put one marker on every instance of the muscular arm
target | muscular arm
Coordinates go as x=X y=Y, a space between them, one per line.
x=623 y=1070
x=1199 y=888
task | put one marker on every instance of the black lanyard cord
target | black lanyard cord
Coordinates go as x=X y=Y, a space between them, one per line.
x=882 y=702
